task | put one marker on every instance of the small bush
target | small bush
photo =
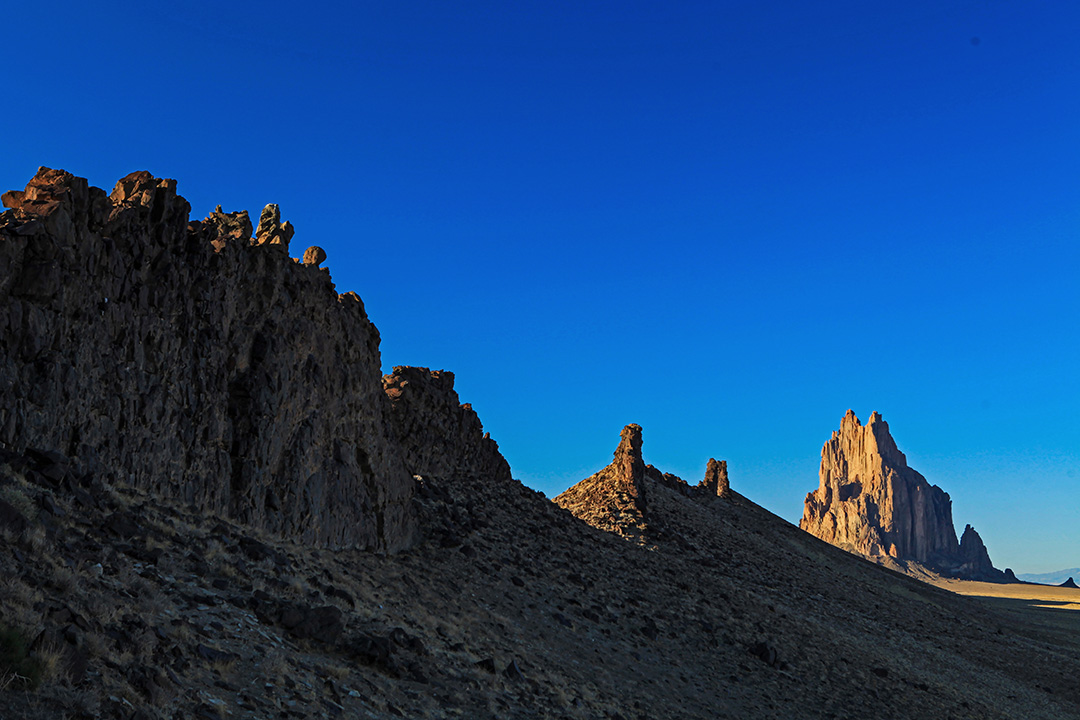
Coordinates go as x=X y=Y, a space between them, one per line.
x=17 y=668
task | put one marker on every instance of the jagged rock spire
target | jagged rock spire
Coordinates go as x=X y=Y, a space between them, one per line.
x=871 y=503
x=271 y=230
x=614 y=498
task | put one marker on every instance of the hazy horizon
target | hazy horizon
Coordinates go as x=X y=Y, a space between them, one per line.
x=726 y=222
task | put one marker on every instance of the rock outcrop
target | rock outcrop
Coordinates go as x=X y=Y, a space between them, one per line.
x=195 y=361
x=716 y=479
x=975 y=559
x=615 y=498
x=440 y=437
x=870 y=502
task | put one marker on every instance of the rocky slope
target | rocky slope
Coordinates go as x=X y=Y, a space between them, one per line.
x=144 y=608
x=195 y=360
x=871 y=503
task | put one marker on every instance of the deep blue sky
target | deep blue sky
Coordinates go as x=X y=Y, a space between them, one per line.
x=726 y=221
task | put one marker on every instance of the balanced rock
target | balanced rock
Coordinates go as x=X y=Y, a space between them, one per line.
x=314 y=255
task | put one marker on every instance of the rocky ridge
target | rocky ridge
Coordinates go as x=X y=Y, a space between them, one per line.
x=870 y=502
x=195 y=360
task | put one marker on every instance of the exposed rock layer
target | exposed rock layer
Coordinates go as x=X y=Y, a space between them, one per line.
x=613 y=499
x=871 y=503
x=194 y=361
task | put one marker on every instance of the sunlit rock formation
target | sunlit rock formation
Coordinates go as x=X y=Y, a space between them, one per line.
x=870 y=502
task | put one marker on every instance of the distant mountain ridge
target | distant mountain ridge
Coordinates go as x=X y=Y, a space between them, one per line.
x=1050 y=578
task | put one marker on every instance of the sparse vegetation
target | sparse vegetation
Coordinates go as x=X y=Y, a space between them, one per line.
x=18 y=668
x=15 y=495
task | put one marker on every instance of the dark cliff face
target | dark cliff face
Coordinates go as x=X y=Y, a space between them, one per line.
x=195 y=361
x=976 y=560
x=440 y=438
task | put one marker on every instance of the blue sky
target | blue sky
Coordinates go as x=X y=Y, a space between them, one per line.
x=727 y=221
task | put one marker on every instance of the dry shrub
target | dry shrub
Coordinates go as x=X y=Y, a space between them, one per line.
x=17 y=668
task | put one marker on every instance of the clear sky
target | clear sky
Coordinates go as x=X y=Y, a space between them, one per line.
x=726 y=221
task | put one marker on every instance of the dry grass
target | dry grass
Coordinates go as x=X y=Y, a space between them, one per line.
x=64 y=579
x=338 y=672
x=16 y=495
x=224 y=668
x=35 y=540
x=50 y=658
x=274 y=667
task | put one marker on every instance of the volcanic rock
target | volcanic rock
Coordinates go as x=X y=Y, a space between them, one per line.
x=975 y=558
x=271 y=230
x=870 y=502
x=716 y=479
x=613 y=499
x=314 y=255
x=181 y=359
x=440 y=437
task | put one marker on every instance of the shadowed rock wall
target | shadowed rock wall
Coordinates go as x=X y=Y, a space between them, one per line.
x=440 y=437
x=195 y=361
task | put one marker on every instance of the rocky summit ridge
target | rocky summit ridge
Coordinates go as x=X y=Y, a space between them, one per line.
x=870 y=502
x=198 y=361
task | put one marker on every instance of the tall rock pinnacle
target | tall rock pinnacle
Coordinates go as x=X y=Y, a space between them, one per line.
x=614 y=498
x=871 y=503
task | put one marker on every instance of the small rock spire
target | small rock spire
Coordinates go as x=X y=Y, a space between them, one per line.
x=271 y=230
x=716 y=478
x=629 y=465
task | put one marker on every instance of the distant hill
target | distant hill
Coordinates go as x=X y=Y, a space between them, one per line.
x=1051 y=578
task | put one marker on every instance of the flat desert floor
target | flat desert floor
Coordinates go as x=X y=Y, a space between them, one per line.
x=1045 y=608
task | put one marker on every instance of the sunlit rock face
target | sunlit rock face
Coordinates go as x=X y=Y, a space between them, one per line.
x=613 y=499
x=196 y=360
x=870 y=502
